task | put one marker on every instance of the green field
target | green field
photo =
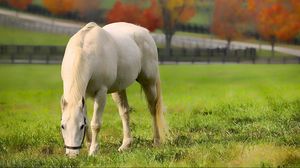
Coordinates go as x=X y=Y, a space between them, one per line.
x=219 y=115
x=16 y=36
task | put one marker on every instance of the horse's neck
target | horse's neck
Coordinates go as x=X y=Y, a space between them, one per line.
x=75 y=83
x=76 y=66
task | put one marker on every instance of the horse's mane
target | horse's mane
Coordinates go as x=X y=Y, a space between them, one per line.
x=77 y=79
x=77 y=71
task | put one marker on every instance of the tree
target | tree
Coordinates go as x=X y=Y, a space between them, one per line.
x=148 y=17
x=124 y=12
x=174 y=12
x=86 y=7
x=61 y=7
x=276 y=20
x=229 y=19
x=151 y=17
x=19 y=4
x=165 y=14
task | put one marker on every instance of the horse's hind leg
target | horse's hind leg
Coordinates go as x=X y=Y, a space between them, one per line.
x=152 y=95
x=120 y=99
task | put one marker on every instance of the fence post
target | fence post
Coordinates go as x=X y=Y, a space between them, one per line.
x=194 y=51
x=253 y=54
x=209 y=54
x=245 y=53
x=237 y=56
x=47 y=58
x=29 y=59
x=284 y=60
x=225 y=52
x=51 y=53
x=184 y=52
x=269 y=60
x=200 y=53
x=160 y=57
x=12 y=57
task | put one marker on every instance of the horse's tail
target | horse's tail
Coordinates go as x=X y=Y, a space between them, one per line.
x=159 y=113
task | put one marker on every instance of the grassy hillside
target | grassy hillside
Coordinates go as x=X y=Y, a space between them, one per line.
x=219 y=115
x=11 y=35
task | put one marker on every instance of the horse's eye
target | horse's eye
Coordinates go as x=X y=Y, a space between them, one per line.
x=62 y=127
x=81 y=127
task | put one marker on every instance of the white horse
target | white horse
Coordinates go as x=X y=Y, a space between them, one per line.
x=99 y=61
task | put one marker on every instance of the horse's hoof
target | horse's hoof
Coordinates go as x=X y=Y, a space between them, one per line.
x=93 y=150
x=125 y=145
x=156 y=142
x=88 y=145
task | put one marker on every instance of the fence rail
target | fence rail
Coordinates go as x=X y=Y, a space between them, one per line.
x=19 y=54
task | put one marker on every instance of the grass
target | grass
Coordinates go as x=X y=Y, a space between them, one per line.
x=219 y=115
x=268 y=54
x=16 y=36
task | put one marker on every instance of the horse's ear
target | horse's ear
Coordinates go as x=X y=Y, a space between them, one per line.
x=63 y=102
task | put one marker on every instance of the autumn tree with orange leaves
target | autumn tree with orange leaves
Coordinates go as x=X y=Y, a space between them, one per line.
x=148 y=17
x=229 y=19
x=163 y=14
x=151 y=17
x=60 y=7
x=276 y=20
x=18 y=4
x=124 y=13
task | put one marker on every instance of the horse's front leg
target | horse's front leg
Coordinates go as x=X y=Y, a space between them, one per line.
x=121 y=100
x=96 y=123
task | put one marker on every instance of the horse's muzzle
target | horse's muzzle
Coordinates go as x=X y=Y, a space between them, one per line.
x=72 y=153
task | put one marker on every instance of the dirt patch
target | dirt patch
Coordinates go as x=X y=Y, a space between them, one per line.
x=266 y=155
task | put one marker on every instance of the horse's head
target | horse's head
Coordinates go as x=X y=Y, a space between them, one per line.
x=73 y=125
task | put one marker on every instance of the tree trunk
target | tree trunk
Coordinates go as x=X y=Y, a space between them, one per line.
x=228 y=44
x=273 y=45
x=168 y=28
x=273 y=52
x=168 y=37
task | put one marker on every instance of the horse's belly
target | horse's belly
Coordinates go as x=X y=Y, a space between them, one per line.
x=125 y=78
x=118 y=87
x=128 y=72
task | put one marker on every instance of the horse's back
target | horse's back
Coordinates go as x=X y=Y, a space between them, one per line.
x=141 y=37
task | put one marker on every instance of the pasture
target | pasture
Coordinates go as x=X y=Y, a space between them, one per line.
x=16 y=36
x=218 y=115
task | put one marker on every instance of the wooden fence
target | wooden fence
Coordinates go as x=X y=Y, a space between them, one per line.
x=19 y=54
x=31 y=54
